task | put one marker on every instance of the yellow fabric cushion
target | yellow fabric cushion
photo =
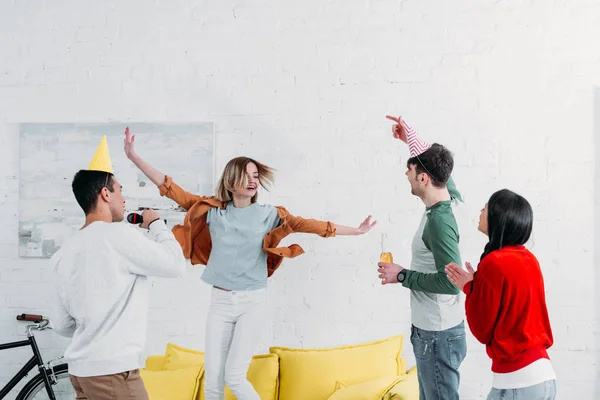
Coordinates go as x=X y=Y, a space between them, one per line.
x=155 y=363
x=407 y=389
x=313 y=373
x=401 y=366
x=263 y=374
x=374 y=389
x=180 y=384
x=177 y=357
x=263 y=371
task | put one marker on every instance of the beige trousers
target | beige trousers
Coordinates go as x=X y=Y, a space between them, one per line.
x=123 y=386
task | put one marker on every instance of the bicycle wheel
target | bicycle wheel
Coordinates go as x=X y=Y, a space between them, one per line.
x=36 y=390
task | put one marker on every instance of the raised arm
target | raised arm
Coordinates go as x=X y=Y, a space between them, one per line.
x=164 y=183
x=408 y=135
x=157 y=177
x=403 y=131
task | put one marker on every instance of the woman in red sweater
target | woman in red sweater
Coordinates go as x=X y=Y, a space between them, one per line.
x=506 y=304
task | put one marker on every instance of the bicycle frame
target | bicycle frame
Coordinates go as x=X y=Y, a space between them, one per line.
x=35 y=360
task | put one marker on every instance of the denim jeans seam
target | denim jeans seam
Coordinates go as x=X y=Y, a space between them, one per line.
x=438 y=374
x=450 y=341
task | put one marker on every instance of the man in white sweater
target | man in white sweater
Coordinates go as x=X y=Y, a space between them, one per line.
x=102 y=287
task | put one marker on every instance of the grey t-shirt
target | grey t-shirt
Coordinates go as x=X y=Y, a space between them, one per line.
x=237 y=260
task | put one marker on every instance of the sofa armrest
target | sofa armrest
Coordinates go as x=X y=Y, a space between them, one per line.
x=155 y=363
x=407 y=389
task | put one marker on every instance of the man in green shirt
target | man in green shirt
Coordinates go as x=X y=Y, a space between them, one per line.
x=438 y=331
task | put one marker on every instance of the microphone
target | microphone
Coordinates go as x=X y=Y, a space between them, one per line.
x=135 y=218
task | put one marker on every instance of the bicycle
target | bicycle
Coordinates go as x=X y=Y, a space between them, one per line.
x=49 y=376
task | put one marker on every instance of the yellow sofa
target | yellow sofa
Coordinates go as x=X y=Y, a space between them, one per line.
x=367 y=371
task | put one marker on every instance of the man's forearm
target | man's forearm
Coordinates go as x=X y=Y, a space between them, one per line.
x=436 y=282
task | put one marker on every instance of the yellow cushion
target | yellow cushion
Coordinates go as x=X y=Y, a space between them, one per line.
x=401 y=366
x=263 y=371
x=181 y=384
x=179 y=357
x=371 y=390
x=313 y=373
x=262 y=374
x=155 y=363
x=407 y=389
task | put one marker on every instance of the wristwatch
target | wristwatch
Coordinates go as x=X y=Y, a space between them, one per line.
x=401 y=276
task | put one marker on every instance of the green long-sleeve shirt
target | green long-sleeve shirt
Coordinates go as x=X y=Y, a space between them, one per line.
x=434 y=299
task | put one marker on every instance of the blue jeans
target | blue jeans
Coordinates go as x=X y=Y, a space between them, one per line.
x=438 y=355
x=541 y=391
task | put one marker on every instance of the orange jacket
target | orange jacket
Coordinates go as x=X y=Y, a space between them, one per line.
x=194 y=235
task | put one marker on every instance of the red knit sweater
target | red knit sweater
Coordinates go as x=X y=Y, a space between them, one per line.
x=506 y=309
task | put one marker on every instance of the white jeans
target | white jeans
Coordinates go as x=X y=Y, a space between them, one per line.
x=235 y=324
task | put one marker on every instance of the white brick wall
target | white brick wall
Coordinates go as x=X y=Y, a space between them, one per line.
x=504 y=84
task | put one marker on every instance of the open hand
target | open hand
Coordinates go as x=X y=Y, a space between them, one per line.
x=458 y=276
x=365 y=226
x=398 y=129
x=129 y=144
x=388 y=272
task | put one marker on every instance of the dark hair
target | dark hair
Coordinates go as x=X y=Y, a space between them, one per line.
x=510 y=221
x=437 y=162
x=87 y=185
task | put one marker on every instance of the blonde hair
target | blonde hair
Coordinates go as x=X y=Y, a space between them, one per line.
x=235 y=177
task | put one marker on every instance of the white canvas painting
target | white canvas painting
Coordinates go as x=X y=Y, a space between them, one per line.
x=51 y=154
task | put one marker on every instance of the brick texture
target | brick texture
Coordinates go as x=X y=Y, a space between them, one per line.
x=508 y=86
